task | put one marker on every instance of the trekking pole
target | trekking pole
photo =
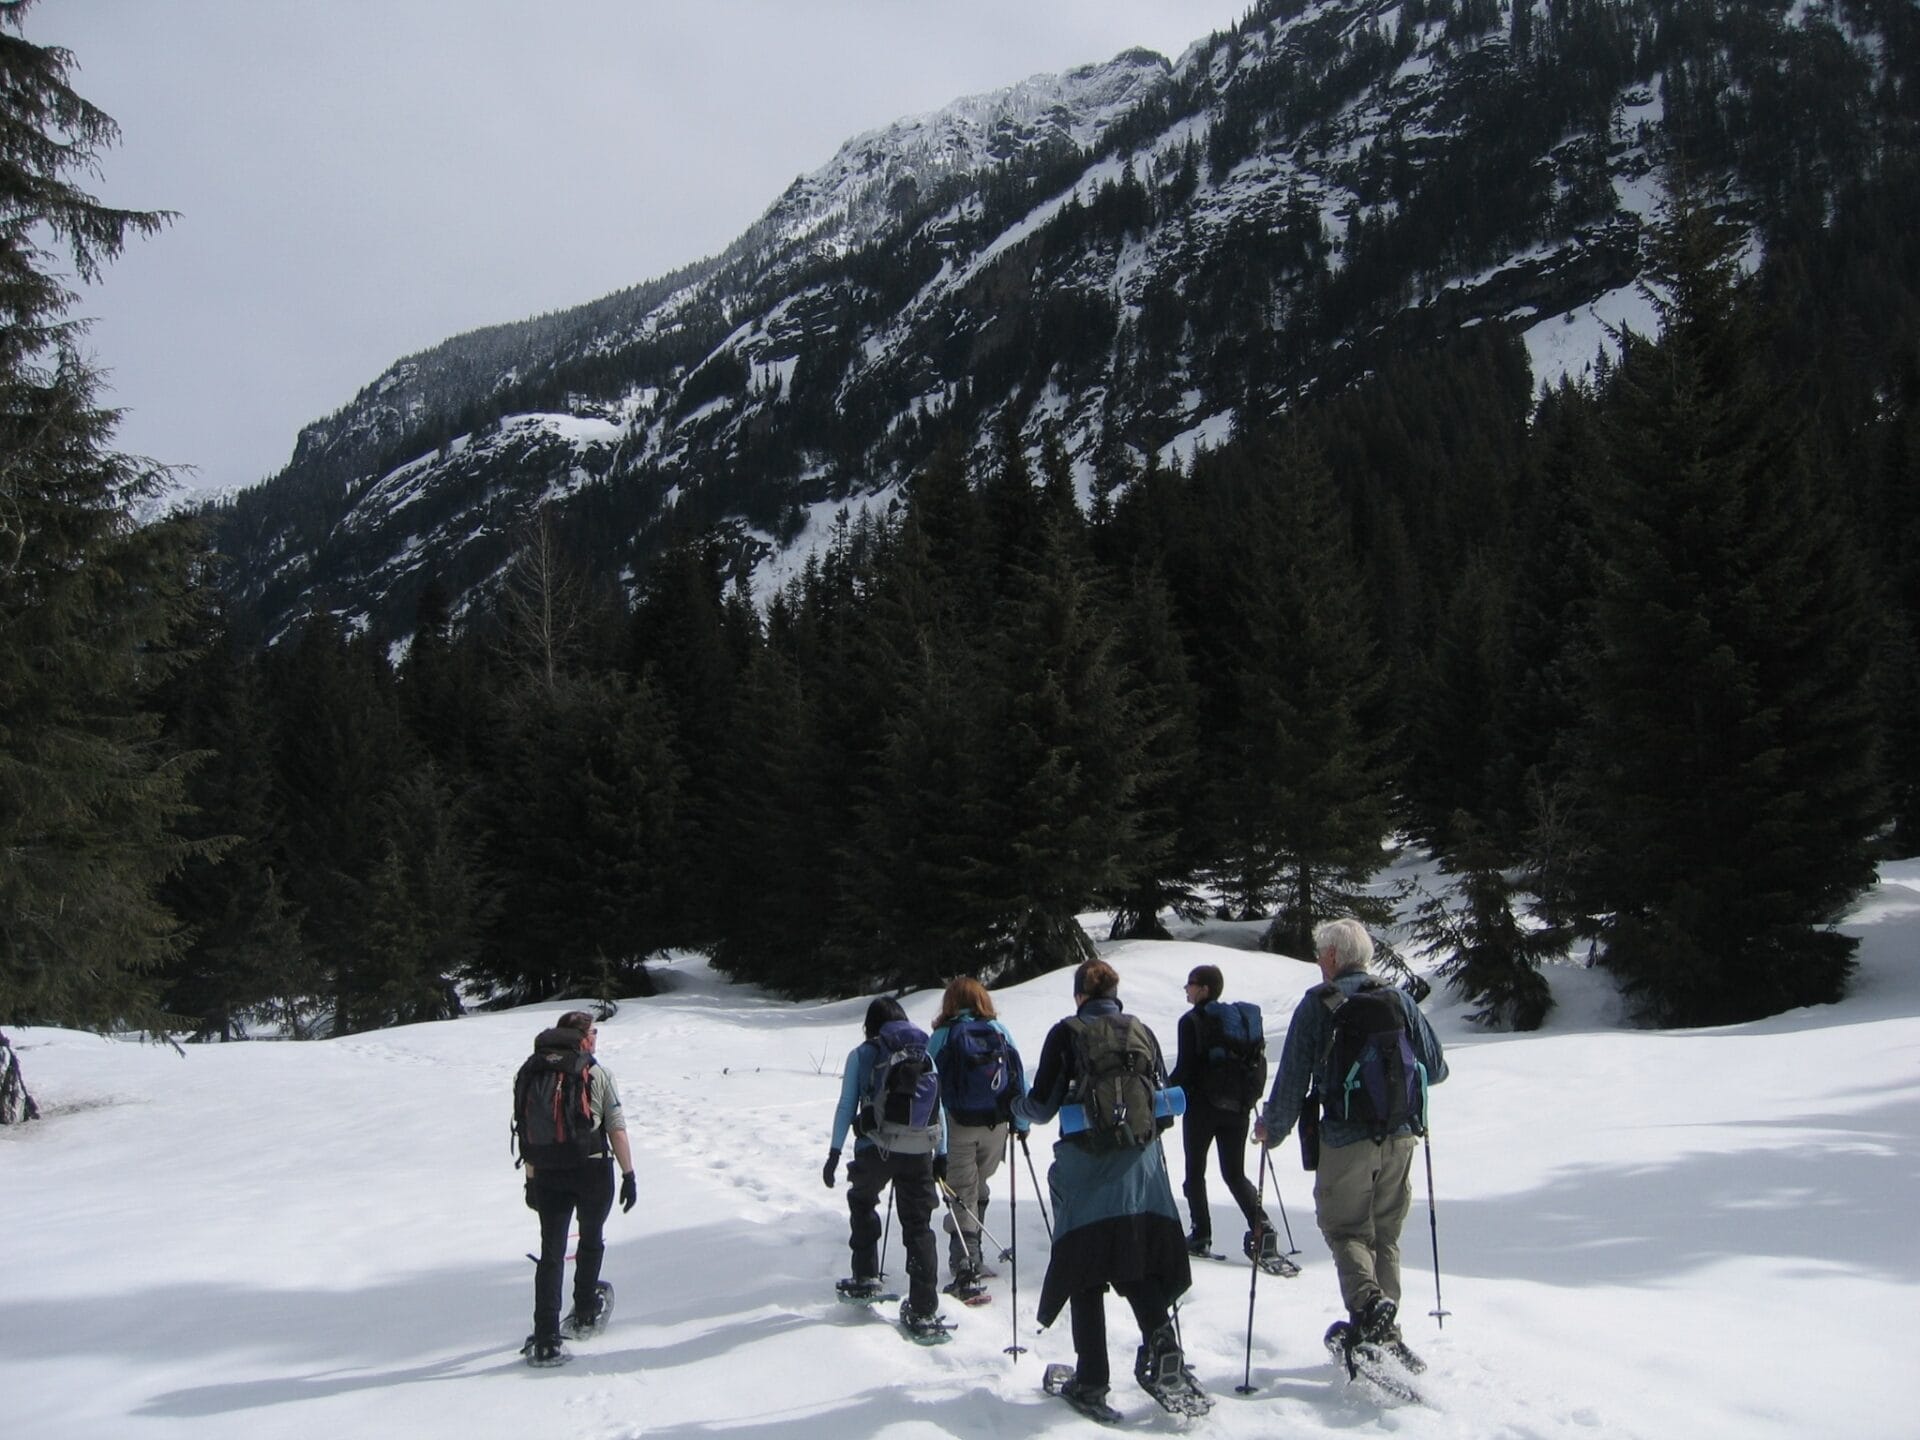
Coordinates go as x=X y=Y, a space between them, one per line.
x=1044 y=1220
x=1292 y=1249
x=888 y=1230
x=960 y=1212
x=1016 y=1349
x=1246 y=1385
x=1439 y=1311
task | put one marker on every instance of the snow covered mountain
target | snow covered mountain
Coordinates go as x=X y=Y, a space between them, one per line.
x=1139 y=255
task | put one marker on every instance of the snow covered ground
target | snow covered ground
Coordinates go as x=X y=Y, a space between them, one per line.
x=1697 y=1234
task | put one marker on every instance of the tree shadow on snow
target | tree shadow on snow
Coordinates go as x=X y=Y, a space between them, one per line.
x=744 y=1285
x=1843 y=1201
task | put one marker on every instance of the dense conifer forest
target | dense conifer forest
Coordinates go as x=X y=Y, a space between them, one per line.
x=1636 y=659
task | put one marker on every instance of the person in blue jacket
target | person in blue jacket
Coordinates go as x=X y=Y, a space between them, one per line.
x=1115 y=1221
x=909 y=1163
x=976 y=1138
x=1363 y=1186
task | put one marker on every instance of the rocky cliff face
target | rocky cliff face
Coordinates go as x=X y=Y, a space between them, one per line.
x=1139 y=255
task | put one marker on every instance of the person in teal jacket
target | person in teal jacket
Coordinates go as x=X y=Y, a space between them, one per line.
x=977 y=1131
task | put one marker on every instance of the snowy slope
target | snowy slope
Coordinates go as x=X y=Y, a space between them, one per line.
x=1696 y=1234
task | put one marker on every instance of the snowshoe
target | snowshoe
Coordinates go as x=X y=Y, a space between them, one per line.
x=1089 y=1400
x=1402 y=1352
x=1267 y=1254
x=1162 y=1372
x=1364 y=1361
x=1201 y=1246
x=925 y=1328
x=863 y=1292
x=968 y=1290
x=584 y=1327
x=544 y=1354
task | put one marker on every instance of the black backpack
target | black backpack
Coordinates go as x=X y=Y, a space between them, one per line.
x=1117 y=1081
x=552 y=1108
x=1377 y=1079
x=1233 y=1054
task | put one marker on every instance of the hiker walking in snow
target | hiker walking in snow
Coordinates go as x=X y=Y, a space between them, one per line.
x=1366 y=1054
x=1115 y=1222
x=980 y=1078
x=890 y=1099
x=1221 y=1065
x=567 y=1117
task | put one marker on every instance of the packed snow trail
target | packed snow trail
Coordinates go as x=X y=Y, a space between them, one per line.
x=281 y=1240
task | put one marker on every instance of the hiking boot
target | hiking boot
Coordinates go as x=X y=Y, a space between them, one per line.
x=923 y=1325
x=1158 y=1365
x=1199 y=1244
x=579 y=1324
x=1084 y=1396
x=544 y=1352
x=967 y=1286
x=1162 y=1372
x=1266 y=1254
x=859 y=1288
x=1376 y=1321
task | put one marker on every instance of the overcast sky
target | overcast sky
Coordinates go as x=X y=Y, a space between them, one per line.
x=360 y=179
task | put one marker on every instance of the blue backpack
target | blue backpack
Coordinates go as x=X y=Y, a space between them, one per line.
x=901 y=1112
x=1233 y=1054
x=978 y=1072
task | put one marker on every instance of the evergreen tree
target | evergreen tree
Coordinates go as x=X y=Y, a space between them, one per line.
x=90 y=602
x=245 y=961
x=1729 y=780
x=583 y=827
x=1069 y=754
x=429 y=904
x=1307 y=789
x=1488 y=953
x=340 y=750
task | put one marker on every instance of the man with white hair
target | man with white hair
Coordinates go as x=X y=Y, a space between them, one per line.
x=1363 y=1054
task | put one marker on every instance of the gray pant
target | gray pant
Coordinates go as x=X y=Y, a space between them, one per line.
x=1361 y=1195
x=973 y=1154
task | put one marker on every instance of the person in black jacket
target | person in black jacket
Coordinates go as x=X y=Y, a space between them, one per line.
x=1216 y=1120
x=559 y=1193
x=1115 y=1222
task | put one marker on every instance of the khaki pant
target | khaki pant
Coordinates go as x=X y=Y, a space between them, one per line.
x=1361 y=1195
x=973 y=1154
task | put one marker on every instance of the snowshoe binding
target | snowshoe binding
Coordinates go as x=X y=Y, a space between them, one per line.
x=1089 y=1400
x=544 y=1354
x=578 y=1326
x=1162 y=1372
x=858 y=1291
x=968 y=1290
x=925 y=1328
x=1266 y=1254
x=1368 y=1362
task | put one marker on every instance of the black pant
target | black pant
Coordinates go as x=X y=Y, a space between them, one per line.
x=913 y=1200
x=558 y=1194
x=1088 y=1310
x=1225 y=1130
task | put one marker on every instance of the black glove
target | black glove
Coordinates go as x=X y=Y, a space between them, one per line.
x=833 y=1164
x=940 y=1169
x=532 y=1204
x=629 y=1192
